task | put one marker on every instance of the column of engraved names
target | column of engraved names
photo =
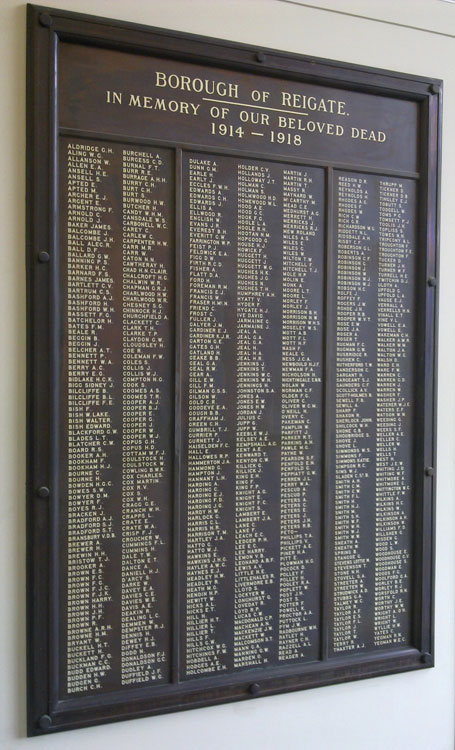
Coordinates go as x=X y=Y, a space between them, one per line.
x=90 y=414
x=354 y=413
x=257 y=451
x=207 y=237
x=394 y=430
x=146 y=455
x=301 y=354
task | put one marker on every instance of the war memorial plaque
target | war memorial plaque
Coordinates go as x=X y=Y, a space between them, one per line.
x=232 y=278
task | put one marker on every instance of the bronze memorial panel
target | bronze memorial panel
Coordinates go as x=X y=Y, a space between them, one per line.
x=232 y=285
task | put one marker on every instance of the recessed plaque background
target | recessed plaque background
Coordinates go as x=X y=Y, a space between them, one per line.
x=231 y=371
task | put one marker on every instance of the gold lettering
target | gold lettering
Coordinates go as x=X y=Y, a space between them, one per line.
x=312 y=103
x=197 y=85
x=368 y=135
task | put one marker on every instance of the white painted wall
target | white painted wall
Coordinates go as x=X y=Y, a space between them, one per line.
x=432 y=15
x=397 y=713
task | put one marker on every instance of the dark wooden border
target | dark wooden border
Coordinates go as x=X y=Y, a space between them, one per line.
x=46 y=26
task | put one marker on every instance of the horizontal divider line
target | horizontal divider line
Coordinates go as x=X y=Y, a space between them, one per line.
x=370 y=660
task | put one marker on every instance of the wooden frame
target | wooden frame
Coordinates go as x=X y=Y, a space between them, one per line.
x=47 y=27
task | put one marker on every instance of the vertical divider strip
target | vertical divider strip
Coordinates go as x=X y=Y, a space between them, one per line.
x=426 y=458
x=329 y=412
x=55 y=385
x=425 y=269
x=176 y=582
